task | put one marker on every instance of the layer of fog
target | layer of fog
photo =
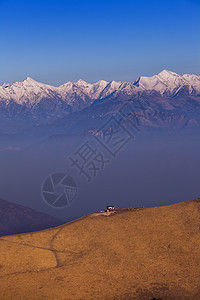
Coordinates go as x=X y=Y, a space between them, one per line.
x=149 y=171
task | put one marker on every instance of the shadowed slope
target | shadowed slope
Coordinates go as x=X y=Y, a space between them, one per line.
x=128 y=254
x=16 y=219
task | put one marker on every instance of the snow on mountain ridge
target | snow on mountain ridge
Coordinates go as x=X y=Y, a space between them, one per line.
x=81 y=93
x=32 y=92
x=168 y=82
x=28 y=90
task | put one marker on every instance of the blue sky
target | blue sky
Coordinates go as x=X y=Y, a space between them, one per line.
x=55 y=41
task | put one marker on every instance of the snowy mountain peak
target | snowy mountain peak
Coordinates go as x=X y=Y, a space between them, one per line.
x=29 y=79
x=68 y=83
x=101 y=82
x=82 y=82
x=166 y=73
x=115 y=84
x=167 y=82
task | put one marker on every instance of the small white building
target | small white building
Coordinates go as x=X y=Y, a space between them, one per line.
x=110 y=208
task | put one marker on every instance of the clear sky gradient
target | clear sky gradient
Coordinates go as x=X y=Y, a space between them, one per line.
x=56 y=41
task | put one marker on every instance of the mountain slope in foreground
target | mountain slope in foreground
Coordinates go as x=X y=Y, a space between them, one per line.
x=149 y=253
x=16 y=219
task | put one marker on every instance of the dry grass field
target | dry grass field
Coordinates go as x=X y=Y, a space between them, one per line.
x=148 y=253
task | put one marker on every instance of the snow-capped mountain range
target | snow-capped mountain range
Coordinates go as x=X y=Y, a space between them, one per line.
x=30 y=92
x=29 y=103
x=80 y=94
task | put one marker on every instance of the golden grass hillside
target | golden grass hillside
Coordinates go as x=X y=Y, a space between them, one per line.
x=149 y=253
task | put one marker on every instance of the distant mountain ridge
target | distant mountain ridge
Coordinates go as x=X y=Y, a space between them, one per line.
x=15 y=219
x=30 y=103
x=80 y=94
